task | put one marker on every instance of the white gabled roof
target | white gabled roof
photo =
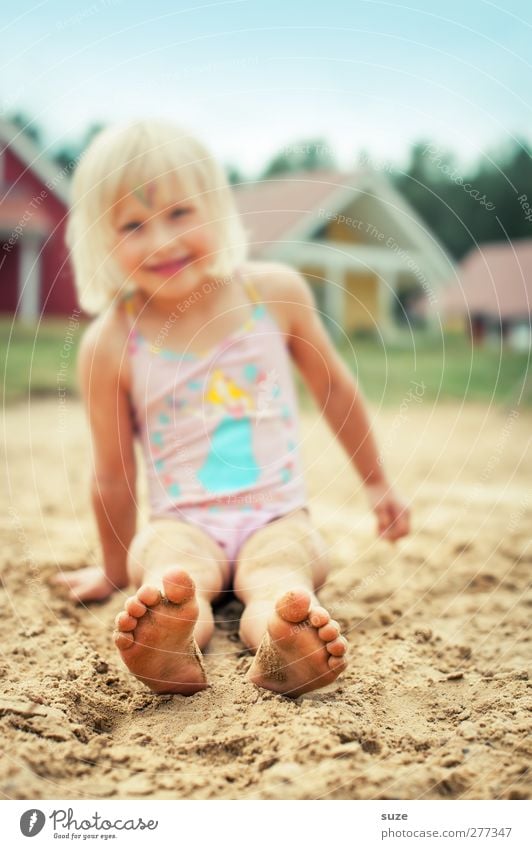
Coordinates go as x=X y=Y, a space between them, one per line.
x=35 y=159
x=421 y=235
x=290 y=207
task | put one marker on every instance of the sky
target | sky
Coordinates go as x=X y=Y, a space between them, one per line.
x=250 y=77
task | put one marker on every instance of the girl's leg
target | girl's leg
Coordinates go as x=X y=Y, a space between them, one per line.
x=179 y=570
x=285 y=554
x=278 y=571
x=167 y=543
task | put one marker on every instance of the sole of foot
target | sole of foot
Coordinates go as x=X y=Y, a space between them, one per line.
x=155 y=636
x=302 y=649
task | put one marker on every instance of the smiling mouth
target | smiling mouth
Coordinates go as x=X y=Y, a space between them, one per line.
x=170 y=266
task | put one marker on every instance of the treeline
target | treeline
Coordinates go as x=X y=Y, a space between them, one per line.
x=489 y=201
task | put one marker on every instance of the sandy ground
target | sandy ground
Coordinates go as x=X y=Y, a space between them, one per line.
x=434 y=704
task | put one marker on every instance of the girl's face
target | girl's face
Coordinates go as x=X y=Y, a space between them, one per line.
x=165 y=247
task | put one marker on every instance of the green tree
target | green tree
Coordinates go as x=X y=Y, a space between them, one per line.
x=27 y=126
x=469 y=206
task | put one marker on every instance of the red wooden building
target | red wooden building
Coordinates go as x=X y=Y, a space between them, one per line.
x=35 y=273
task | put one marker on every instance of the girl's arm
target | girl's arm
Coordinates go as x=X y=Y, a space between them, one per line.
x=103 y=380
x=341 y=401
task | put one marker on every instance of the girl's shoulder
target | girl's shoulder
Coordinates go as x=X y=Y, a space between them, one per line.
x=281 y=287
x=104 y=344
x=268 y=275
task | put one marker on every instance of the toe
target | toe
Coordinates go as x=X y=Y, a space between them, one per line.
x=178 y=586
x=330 y=631
x=337 y=647
x=148 y=595
x=338 y=664
x=135 y=607
x=125 y=622
x=318 y=617
x=294 y=606
x=123 y=641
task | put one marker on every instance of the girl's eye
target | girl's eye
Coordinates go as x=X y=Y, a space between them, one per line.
x=130 y=226
x=179 y=211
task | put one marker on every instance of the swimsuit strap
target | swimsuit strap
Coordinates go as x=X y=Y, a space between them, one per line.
x=127 y=312
x=251 y=290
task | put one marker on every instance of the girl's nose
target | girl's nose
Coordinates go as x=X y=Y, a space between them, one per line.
x=162 y=236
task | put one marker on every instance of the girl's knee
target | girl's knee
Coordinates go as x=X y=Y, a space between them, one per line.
x=286 y=554
x=167 y=542
x=290 y=538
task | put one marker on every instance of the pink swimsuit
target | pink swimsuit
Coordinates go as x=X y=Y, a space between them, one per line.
x=220 y=431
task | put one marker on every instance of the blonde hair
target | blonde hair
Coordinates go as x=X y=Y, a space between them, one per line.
x=143 y=151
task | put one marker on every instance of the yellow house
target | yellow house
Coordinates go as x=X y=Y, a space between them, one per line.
x=365 y=251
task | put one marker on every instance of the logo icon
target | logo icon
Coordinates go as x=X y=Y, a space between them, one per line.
x=32 y=822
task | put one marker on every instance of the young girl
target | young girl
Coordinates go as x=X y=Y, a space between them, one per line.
x=190 y=354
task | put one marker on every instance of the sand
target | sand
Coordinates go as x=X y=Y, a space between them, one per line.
x=433 y=706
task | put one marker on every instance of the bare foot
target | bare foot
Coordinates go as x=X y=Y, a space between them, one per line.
x=302 y=649
x=87 y=584
x=155 y=636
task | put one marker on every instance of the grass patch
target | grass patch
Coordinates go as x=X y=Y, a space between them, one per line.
x=38 y=360
x=444 y=368
x=448 y=368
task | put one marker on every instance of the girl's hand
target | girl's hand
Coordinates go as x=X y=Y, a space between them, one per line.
x=393 y=514
x=87 y=584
